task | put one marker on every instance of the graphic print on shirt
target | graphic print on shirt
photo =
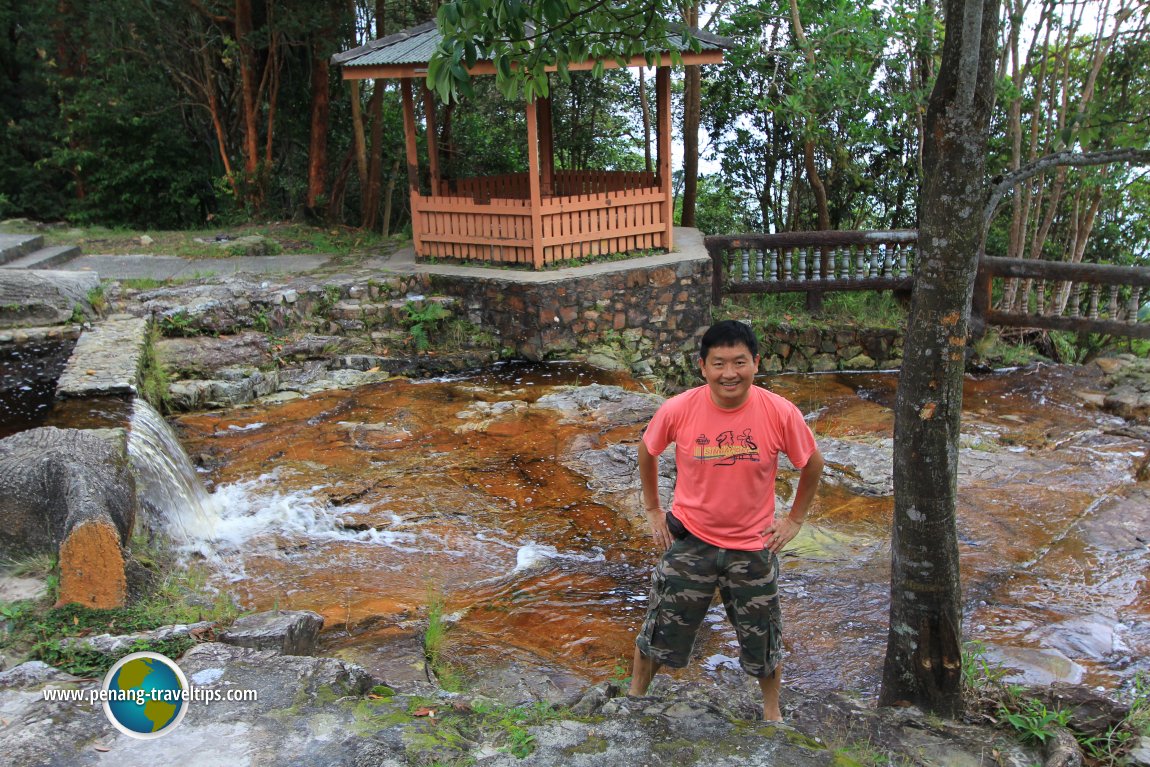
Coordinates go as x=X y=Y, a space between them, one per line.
x=727 y=448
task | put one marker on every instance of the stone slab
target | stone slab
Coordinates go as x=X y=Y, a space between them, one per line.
x=13 y=246
x=45 y=258
x=42 y=297
x=105 y=361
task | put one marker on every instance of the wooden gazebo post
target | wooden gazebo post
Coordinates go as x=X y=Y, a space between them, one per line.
x=412 y=157
x=534 y=184
x=432 y=138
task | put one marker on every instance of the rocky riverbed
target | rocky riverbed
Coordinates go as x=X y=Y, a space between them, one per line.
x=330 y=710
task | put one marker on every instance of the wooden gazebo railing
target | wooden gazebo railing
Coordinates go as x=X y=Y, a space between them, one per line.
x=588 y=213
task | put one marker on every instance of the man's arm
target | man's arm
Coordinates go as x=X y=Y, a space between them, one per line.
x=652 y=506
x=783 y=529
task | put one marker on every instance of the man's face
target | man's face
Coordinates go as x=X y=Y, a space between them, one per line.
x=729 y=372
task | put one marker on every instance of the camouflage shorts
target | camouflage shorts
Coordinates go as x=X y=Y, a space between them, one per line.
x=682 y=588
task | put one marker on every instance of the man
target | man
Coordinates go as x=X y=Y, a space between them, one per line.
x=722 y=531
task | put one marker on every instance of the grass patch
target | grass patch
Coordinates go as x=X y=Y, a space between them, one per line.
x=434 y=638
x=288 y=237
x=33 y=629
x=449 y=734
x=872 y=309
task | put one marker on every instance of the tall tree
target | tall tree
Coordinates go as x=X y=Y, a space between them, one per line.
x=924 y=647
x=692 y=105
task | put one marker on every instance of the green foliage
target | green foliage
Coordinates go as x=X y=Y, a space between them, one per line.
x=524 y=39
x=979 y=674
x=153 y=377
x=421 y=321
x=178 y=323
x=1033 y=721
x=721 y=208
x=83 y=661
x=328 y=297
x=97 y=300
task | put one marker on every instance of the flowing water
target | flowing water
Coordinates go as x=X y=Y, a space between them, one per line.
x=362 y=505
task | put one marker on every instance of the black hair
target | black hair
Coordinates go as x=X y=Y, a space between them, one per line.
x=728 y=333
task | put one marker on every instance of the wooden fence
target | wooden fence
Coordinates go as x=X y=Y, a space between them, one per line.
x=1053 y=295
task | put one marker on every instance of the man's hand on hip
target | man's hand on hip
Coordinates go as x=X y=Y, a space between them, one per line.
x=657 y=519
x=780 y=532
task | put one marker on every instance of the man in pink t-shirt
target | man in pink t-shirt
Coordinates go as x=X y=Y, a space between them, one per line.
x=722 y=531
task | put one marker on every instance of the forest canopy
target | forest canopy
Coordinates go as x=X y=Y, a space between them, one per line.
x=173 y=114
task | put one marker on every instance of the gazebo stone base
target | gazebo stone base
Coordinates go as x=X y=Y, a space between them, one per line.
x=656 y=306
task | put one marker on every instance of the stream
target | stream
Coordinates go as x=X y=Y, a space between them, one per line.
x=367 y=505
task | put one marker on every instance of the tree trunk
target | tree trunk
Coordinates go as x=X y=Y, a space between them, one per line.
x=924 y=647
x=317 y=148
x=817 y=186
x=375 y=159
x=692 y=107
x=691 y=117
x=248 y=88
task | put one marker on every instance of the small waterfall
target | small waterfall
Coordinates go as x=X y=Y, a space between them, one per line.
x=167 y=485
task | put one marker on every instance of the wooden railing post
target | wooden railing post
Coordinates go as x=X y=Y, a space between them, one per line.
x=980 y=301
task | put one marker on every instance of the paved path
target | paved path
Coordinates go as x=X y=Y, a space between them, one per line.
x=688 y=243
x=175 y=267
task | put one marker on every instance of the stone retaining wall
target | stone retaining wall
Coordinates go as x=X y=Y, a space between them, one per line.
x=820 y=350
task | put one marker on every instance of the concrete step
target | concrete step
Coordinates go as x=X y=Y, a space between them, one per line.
x=44 y=258
x=14 y=246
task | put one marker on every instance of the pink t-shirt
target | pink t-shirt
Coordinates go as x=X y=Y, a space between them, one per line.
x=727 y=461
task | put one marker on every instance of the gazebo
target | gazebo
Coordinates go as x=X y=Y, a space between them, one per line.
x=547 y=214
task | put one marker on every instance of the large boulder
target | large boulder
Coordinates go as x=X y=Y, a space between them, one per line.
x=73 y=491
x=43 y=297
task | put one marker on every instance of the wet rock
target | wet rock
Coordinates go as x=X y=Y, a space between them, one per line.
x=1035 y=667
x=1090 y=712
x=291 y=632
x=481 y=415
x=605 y=406
x=1090 y=636
x=863 y=468
x=235 y=386
x=201 y=356
x=615 y=470
x=118 y=645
